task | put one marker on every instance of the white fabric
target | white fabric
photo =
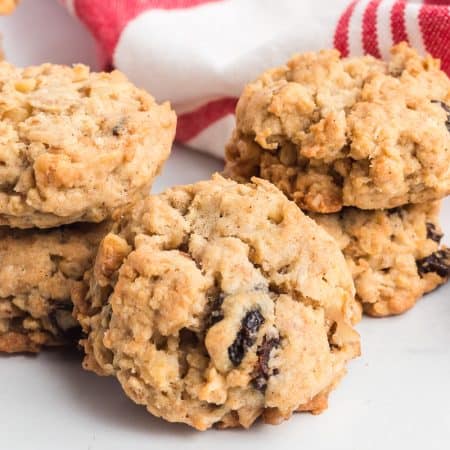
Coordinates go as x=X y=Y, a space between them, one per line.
x=231 y=42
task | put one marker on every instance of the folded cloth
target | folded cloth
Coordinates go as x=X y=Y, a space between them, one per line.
x=200 y=53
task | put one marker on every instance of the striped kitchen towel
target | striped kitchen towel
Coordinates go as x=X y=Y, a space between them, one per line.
x=200 y=53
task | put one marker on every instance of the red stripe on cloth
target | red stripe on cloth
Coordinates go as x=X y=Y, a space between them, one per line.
x=437 y=2
x=434 y=22
x=106 y=19
x=341 y=33
x=369 y=29
x=398 y=25
x=191 y=124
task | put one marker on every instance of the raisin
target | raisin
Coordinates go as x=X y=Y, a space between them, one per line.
x=433 y=233
x=438 y=262
x=263 y=372
x=246 y=336
x=446 y=108
x=215 y=313
x=188 y=338
x=259 y=383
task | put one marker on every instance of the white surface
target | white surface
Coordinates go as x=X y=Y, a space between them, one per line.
x=396 y=396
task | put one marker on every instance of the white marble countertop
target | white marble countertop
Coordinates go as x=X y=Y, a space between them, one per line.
x=396 y=396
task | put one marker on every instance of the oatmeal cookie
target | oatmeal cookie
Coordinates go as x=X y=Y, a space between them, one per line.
x=217 y=303
x=40 y=272
x=333 y=132
x=75 y=145
x=394 y=255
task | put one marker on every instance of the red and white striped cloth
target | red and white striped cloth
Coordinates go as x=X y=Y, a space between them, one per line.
x=199 y=53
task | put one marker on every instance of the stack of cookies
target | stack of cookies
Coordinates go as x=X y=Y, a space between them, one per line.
x=220 y=302
x=212 y=304
x=363 y=146
x=75 y=146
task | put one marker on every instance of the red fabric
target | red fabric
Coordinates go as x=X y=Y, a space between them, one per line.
x=398 y=27
x=192 y=123
x=370 y=36
x=437 y=2
x=341 y=34
x=433 y=20
x=434 y=23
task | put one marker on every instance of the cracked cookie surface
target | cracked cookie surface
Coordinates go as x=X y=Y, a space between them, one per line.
x=75 y=145
x=395 y=255
x=333 y=132
x=216 y=303
x=40 y=273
